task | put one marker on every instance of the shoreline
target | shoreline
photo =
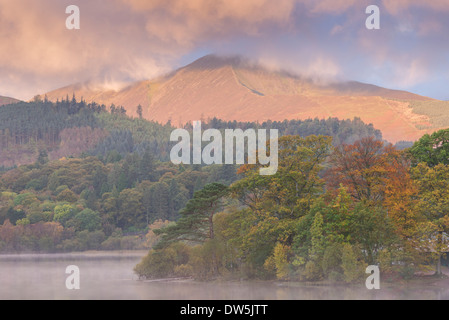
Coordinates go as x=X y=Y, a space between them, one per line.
x=423 y=280
x=87 y=255
x=426 y=281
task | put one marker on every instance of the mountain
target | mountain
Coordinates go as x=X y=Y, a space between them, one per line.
x=7 y=100
x=236 y=89
x=129 y=97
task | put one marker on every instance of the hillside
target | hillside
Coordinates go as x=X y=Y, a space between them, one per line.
x=129 y=97
x=234 y=89
x=70 y=129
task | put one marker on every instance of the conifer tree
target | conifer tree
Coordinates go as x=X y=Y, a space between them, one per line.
x=196 y=224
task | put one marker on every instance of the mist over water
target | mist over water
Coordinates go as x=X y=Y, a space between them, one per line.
x=110 y=276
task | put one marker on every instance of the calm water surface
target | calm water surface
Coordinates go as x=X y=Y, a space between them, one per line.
x=110 y=276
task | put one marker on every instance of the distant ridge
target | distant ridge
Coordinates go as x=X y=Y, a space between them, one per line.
x=235 y=88
x=7 y=100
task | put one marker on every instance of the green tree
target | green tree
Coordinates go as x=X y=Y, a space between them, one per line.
x=42 y=158
x=353 y=267
x=110 y=206
x=178 y=197
x=131 y=210
x=163 y=262
x=63 y=213
x=67 y=195
x=279 y=202
x=99 y=180
x=196 y=222
x=432 y=149
x=87 y=220
x=318 y=243
x=15 y=215
x=433 y=203
x=371 y=229
x=147 y=167
x=160 y=200
x=140 y=111
x=290 y=192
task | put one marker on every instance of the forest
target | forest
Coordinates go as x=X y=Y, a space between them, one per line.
x=80 y=176
x=70 y=128
x=327 y=214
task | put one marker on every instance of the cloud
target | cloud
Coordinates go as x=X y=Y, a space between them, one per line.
x=39 y=53
x=333 y=6
x=127 y=40
x=189 y=22
x=119 y=39
x=397 y=7
x=323 y=68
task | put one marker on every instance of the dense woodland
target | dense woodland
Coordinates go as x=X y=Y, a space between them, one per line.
x=93 y=205
x=70 y=128
x=328 y=213
x=80 y=176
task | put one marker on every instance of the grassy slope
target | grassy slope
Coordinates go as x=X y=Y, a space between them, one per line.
x=7 y=100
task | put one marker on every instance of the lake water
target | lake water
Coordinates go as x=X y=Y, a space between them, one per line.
x=110 y=276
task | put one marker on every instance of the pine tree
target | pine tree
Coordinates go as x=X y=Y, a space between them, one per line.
x=147 y=167
x=42 y=159
x=196 y=224
x=140 y=111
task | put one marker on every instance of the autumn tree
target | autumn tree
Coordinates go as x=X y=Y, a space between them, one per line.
x=402 y=196
x=362 y=168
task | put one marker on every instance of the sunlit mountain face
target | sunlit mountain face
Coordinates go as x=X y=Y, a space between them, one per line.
x=7 y=100
x=234 y=88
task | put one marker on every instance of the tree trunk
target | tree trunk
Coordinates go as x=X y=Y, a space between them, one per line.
x=439 y=266
x=440 y=241
x=211 y=226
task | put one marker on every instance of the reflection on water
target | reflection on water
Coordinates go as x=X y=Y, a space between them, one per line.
x=110 y=276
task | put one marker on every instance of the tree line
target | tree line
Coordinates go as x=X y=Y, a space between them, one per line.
x=71 y=128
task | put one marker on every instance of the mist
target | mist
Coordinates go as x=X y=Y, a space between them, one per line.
x=110 y=276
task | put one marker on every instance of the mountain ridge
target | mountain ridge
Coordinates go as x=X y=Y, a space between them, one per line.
x=7 y=100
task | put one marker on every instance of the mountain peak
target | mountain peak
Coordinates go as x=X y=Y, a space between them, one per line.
x=7 y=100
x=213 y=61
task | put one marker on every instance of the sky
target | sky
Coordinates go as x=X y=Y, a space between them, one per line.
x=120 y=41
